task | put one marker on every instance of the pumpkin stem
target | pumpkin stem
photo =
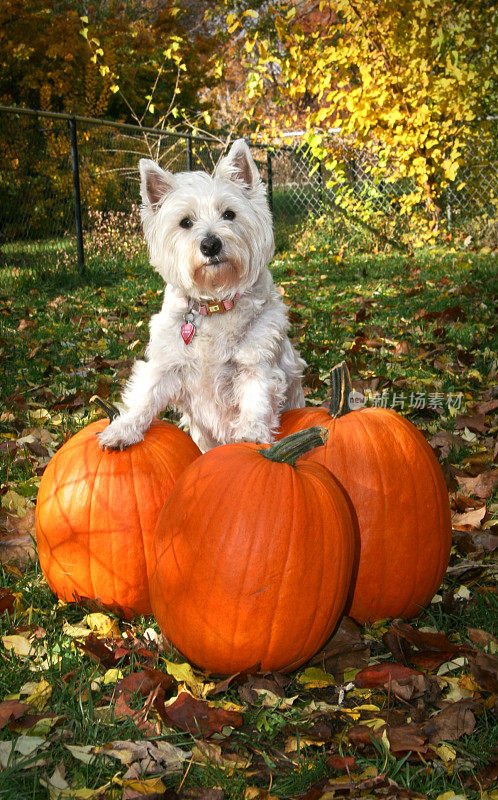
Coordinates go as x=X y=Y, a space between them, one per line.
x=109 y=409
x=288 y=450
x=341 y=389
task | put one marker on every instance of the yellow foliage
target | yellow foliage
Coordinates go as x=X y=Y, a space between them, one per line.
x=402 y=78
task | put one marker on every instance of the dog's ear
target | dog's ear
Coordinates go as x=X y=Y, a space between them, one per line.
x=155 y=183
x=239 y=166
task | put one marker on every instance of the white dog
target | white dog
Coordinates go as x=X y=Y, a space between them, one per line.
x=218 y=349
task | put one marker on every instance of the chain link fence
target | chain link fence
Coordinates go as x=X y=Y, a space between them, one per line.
x=69 y=186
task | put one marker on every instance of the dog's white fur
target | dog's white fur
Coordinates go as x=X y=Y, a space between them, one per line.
x=240 y=371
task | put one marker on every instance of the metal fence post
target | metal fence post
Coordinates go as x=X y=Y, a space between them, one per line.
x=77 y=196
x=189 y=152
x=320 y=181
x=270 y=180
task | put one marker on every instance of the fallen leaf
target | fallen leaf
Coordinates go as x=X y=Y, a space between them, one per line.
x=315 y=678
x=149 y=757
x=469 y=520
x=403 y=738
x=40 y=696
x=7 y=601
x=197 y=716
x=83 y=752
x=341 y=763
x=203 y=793
x=183 y=673
x=257 y=687
x=476 y=422
x=446 y=752
x=483 y=638
x=382 y=675
x=99 y=651
x=27 y=747
x=484 y=668
x=17 y=538
x=18 y=644
x=145 y=681
x=112 y=675
x=12 y=709
x=237 y=678
x=481 y=486
x=207 y=752
x=103 y=625
x=143 y=786
x=451 y=723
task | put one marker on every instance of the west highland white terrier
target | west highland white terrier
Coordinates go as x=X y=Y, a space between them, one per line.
x=218 y=349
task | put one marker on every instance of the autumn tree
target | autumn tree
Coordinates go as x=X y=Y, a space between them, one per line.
x=103 y=58
x=407 y=83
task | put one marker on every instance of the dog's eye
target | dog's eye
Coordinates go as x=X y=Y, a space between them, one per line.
x=228 y=214
x=186 y=222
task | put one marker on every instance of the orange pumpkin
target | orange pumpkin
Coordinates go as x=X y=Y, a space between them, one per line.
x=397 y=490
x=254 y=553
x=96 y=512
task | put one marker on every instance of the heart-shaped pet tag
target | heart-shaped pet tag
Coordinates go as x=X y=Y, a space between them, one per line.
x=187 y=331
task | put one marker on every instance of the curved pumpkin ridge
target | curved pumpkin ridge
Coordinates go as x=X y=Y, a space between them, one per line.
x=251 y=479
x=357 y=441
x=58 y=466
x=93 y=520
x=341 y=509
x=440 y=558
x=184 y=493
x=289 y=503
x=362 y=440
x=412 y=579
x=226 y=621
x=379 y=560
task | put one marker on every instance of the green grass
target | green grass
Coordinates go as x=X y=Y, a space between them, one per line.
x=425 y=323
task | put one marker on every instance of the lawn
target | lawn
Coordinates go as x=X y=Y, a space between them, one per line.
x=79 y=696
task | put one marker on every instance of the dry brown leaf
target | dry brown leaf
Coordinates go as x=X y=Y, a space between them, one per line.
x=469 y=520
x=481 y=486
x=452 y=722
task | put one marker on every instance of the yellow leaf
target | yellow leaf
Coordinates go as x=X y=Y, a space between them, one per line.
x=145 y=786
x=112 y=676
x=75 y=631
x=445 y=752
x=104 y=625
x=374 y=723
x=316 y=678
x=15 y=503
x=41 y=695
x=183 y=673
x=292 y=744
x=19 y=644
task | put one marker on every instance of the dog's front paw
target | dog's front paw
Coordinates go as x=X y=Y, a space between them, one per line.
x=256 y=432
x=119 y=435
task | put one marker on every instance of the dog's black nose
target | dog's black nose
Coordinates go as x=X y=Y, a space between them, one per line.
x=211 y=246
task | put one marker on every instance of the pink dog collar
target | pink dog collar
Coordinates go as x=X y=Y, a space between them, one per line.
x=187 y=329
x=213 y=306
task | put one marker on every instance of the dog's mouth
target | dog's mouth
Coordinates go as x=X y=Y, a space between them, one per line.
x=217 y=274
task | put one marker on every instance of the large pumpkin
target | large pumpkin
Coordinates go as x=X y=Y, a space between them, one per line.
x=96 y=512
x=254 y=557
x=398 y=494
